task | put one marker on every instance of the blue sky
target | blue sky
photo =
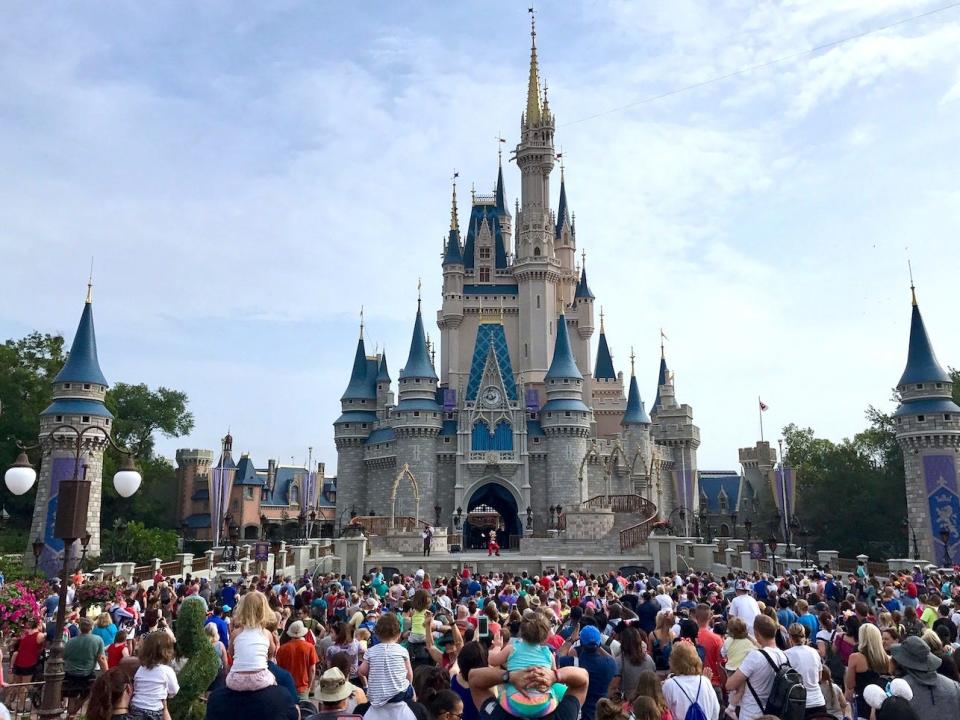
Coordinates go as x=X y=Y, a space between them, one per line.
x=248 y=174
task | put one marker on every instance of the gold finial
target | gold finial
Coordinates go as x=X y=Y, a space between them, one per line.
x=419 y=292
x=913 y=290
x=601 y=321
x=632 y=359
x=454 y=221
x=533 y=84
x=583 y=255
x=662 y=338
x=361 y=322
x=90 y=284
x=500 y=141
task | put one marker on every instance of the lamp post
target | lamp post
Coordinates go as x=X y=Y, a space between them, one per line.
x=748 y=526
x=263 y=525
x=284 y=516
x=70 y=525
x=436 y=515
x=302 y=527
x=529 y=518
x=681 y=512
x=772 y=544
x=310 y=525
x=37 y=549
x=945 y=539
x=733 y=524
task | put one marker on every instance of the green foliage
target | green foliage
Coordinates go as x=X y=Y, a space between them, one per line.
x=27 y=369
x=17 y=571
x=138 y=543
x=202 y=667
x=142 y=412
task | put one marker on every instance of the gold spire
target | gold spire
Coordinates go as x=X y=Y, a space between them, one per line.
x=601 y=321
x=419 y=296
x=90 y=284
x=454 y=221
x=361 y=322
x=632 y=358
x=533 y=84
x=913 y=290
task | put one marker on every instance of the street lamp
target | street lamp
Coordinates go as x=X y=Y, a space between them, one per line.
x=313 y=519
x=945 y=539
x=37 y=549
x=263 y=526
x=458 y=518
x=772 y=544
x=69 y=525
x=733 y=524
x=908 y=528
x=748 y=526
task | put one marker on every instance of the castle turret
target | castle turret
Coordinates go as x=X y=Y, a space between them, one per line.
x=606 y=390
x=564 y=238
x=450 y=317
x=537 y=268
x=927 y=426
x=566 y=420
x=358 y=415
x=636 y=432
x=79 y=390
x=500 y=199
x=583 y=312
x=384 y=396
x=417 y=420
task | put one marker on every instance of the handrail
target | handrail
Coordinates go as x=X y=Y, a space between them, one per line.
x=381 y=525
x=628 y=503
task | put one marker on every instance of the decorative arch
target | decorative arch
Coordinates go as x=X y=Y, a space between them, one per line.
x=294 y=498
x=593 y=452
x=502 y=496
x=503 y=435
x=404 y=473
x=480 y=435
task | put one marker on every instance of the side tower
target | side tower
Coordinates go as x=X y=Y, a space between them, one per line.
x=451 y=313
x=79 y=390
x=566 y=423
x=537 y=269
x=673 y=429
x=607 y=391
x=358 y=414
x=928 y=430
x=636 y=426
x=193 y=493
x=417 y=420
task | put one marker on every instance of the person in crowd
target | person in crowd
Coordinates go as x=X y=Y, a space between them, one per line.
x=386 y=666
x=118 y=649
x=934 y=696
x=110 y=695
x=82 y=655
x=758 y=669
x=632 y=660
x=335 y=693
x=105 y=629
x=600 y=666
x=155 y=681
x=744 y=605
x=687 y=686
x=344 y=642
x=865 y=666
x=252 y=642
x=299 y=658
x=806 y=661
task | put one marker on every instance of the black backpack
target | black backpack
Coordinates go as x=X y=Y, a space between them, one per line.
x=788 y=698
x=833 y=662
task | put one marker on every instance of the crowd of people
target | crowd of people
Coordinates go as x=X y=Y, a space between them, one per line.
x=562 y=645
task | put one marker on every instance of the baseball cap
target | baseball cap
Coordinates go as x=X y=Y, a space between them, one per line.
x=590 y=636
x=743 y=585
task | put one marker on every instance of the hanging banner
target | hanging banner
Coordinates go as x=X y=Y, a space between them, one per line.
x=50 y=561
x=684 y=487
x=783 y=486
x=221 y=483
x=940 y=480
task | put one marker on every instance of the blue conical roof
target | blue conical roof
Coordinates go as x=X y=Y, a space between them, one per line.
x=82 y=365
x=635 y=413
x=563 y=365
x=500 y=194
x=453 y=254
x=603 y=370
x=418 y=362
x=563 y=212
x=583 y=290
x=922 y=365
x=661 y=380
x=359 y=387
x=383 y=375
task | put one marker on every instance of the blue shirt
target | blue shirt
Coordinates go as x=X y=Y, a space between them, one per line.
x=601 y=668
x=811 y=623
x=222 y=630
x=284 y=680
x=228 y=596
x=760 y=589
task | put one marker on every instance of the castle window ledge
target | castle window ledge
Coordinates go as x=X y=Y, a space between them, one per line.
x=491 y=457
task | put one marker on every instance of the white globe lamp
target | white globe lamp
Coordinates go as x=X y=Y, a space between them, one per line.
x=127 y=480
x=21 y=476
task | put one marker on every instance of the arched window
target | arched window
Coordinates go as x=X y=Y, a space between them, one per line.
x=503 y=436
x=722 y=500
x=536 y=252
x=294 y=494
x=480 y=438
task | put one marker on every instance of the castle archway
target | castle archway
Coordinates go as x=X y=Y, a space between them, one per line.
x=491 y=507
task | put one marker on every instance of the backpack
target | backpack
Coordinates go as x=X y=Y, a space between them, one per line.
x=694 y=711
x=833 y=662
x=788 y=698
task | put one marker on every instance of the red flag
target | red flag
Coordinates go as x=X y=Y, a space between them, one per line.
x=763 y=407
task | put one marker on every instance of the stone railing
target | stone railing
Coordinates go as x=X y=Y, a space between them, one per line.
x=385 y=525
x=491 y=457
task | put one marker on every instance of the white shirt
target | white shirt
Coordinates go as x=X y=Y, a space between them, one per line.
x=681 y=691
x=760 y=675
x=745 y=608
x=151 y=686
x=388 y=672
x=665 y=601
x=250 y=649
x=806 y=661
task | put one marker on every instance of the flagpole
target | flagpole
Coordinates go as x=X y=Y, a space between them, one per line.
x=760 y=412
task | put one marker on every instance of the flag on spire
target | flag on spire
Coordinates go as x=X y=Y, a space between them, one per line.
x=763 y=406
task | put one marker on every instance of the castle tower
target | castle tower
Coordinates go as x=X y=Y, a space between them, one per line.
x=193 y=490
x=583 y=299
x=673 y=428
x=564 y=237
x=450 y=317
x=417 y=420
x=79 y=390
x=636 y=423
x=384 y=396
x=500 y=199
x=358 y=415
x=757 y=503
x=566 y=423
x=607 y=391
x=537 y=269
x=927 y=426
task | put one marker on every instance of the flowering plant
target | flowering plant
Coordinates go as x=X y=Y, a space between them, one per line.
x=17 y=605
x=95 y=593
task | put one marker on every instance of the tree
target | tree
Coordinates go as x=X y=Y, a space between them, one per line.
x=27 y=369
x=137 y=543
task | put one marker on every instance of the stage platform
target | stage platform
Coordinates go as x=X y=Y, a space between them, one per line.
x=512 y=561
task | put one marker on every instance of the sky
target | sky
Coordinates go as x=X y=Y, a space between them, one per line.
x=247 y=175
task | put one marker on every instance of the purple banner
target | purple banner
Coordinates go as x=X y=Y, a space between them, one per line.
x=783 y=485
x=308 y=491
x=533 y=401
x=685 y=491
x=449 y=400
x=50 y=561
x=940 y=479
x=221 y=483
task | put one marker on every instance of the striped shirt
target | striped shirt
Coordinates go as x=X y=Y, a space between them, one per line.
x=388 y=672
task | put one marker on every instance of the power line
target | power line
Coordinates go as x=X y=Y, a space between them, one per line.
x=766 y=64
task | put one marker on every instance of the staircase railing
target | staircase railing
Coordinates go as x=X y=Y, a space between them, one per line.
x=634 y=535
x=381 y=524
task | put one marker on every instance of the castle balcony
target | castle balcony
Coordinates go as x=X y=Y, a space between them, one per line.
x=491 y=457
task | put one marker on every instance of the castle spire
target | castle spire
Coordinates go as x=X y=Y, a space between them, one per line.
x=418 y=361
x=90 y=284
x=359 y=388
x=500 y=193
x=603 y=369
x=83 y=365
x=583 y=289
x=922 y=365
x=663 y=377
x=454 y=221
x=635 y=414
x=563 y=211
x=563 y=365
x=533 y=83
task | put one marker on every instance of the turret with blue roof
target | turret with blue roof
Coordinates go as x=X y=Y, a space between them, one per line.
x=359 y=401
x=418 y=379
x=564 y=380
x=662 y=378
x=603 y=368
x=453 y=254
x=635 y=413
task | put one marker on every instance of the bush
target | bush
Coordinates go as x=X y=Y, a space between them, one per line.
x=18 y=603
x=201 y=669
x=138 y=544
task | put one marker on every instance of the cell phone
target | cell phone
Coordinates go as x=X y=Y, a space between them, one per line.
x=483 y=626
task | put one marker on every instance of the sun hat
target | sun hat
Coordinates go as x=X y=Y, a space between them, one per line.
x=743 y=586
x=914 y=654
x=334 y=686
x=297 y=629
x=590 y=637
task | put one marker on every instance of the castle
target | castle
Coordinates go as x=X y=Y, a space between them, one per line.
x=518 y=418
